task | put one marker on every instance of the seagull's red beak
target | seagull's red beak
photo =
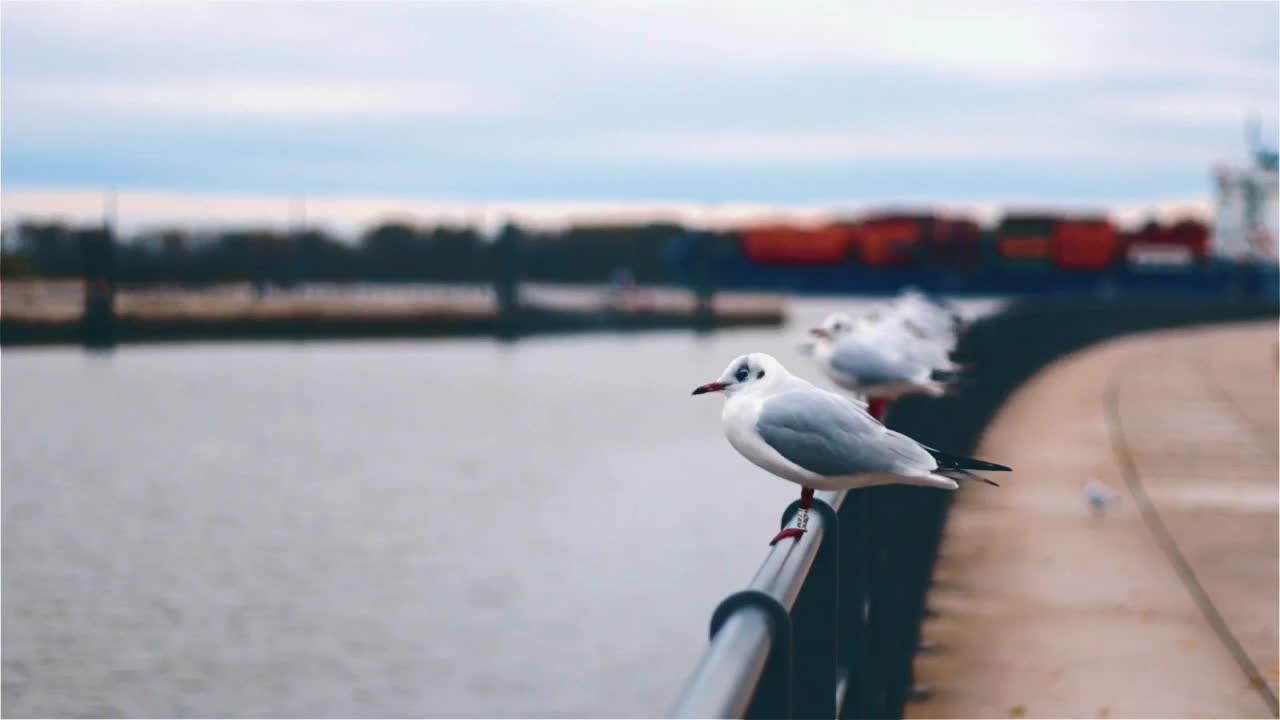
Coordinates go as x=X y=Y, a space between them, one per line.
x=709 y=387
x=820 y=332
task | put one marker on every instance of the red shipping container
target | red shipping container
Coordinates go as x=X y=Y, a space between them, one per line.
x=794 y=246
x=1192 y=235
x=955 y=243
x=1189 y=235
x=887 y=241
x=1085 y=245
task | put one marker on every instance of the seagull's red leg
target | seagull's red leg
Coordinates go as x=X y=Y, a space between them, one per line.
x=802 y=518
x=878 y=408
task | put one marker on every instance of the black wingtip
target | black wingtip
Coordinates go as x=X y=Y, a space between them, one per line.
x=981 y=465
x=957 y=462
x=958 y=475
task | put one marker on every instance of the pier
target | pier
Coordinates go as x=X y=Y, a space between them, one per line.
x=44 y=312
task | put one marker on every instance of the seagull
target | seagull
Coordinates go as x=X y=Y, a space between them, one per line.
x=932 y=348
x=939 y=311
x=821 y=440
x=876 y=366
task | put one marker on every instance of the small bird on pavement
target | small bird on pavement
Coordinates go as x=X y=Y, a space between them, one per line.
x=1100 y=496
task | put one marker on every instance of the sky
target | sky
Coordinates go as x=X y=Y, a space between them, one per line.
x=237 y=110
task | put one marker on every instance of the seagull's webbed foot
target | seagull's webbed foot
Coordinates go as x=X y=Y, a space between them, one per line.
x=791 y=532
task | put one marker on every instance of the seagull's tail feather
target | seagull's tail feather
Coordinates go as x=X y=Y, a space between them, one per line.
x=956 y=462
x=952 y=382
x=946 y=375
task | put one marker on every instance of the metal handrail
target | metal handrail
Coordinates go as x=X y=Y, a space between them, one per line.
x=828 y=625
x=726 y=678
x=748 y=626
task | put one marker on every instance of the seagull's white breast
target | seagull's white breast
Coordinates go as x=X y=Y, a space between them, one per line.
x=739 y=419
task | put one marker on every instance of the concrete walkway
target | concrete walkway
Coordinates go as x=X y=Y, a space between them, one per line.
x=1045 y=610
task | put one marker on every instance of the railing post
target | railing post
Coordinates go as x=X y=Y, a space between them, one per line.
x=903 y=538
x=98 y=321
x=873 y=569
x=506 y=281
x=815 y=622
x=853 y=597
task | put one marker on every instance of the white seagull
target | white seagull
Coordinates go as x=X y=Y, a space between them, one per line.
x=936 y=311
x=821 y=440
x=890 y=327
x=880 y=367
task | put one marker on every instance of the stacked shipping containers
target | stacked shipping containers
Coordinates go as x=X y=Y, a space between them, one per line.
x=1088 y=244
x=1020 y=242
x=888 y=240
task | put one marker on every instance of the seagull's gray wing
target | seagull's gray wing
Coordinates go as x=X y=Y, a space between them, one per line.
x=829 y=435
x=868 y=365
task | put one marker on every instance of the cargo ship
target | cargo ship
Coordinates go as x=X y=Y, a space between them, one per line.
x=1022 y=252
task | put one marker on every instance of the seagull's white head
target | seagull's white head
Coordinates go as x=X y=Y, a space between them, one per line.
x=836 y=326
x=756 y=370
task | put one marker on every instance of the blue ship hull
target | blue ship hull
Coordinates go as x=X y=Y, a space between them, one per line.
x=1214 y=280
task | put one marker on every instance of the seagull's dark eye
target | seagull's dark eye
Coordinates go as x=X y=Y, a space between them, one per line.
x=759 y=374
x=742 y=374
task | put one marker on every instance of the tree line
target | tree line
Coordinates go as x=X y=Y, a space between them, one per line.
x=387 y=252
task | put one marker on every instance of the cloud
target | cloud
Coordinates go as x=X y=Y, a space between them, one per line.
x=257 y=99
x=577 y=100
x=871 y=146
x=1036 y=42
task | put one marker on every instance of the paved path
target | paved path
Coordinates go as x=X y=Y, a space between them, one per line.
x=1045 y=610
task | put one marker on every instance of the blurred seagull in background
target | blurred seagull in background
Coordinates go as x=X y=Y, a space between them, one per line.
x=821 y=440
x=870 y=365
x=899 y=348
x=877 y=366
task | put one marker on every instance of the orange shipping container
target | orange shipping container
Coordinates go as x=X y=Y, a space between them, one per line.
x=796 y=246
x=1085 y=245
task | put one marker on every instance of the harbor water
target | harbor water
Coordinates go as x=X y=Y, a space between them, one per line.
x=395 y=528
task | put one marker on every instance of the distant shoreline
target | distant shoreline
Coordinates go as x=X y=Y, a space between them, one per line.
x=36 y=313
x=19 y=333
